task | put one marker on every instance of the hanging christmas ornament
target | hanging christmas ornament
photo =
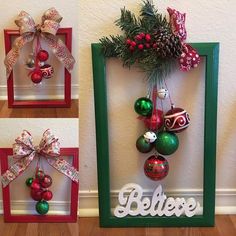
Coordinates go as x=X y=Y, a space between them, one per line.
x=42 y=55
x=29 y=181
x=47 y=71
x=143 y=106
x=46 y=181
x=42 y=207
x=30 y=62
x=142 y=145
x=176 y=119
x=156 y=167
x=162 y=93
x=36 y=194
x=150 y=137
x=36 y=76
x=47 y=195
x=155 y=121
x=167 y=143
x=35 y=185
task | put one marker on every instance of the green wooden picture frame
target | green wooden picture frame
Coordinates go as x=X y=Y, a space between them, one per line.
x=211 y=53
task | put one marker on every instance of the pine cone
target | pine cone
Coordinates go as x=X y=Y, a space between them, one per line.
x=168 y=44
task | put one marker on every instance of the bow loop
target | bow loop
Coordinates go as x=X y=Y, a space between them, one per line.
x=25 y=22
x=51 y=14
x=49 y=144
x=50 y=27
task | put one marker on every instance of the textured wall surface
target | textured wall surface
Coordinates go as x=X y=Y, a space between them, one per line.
x=207 y=21
x=54 y=86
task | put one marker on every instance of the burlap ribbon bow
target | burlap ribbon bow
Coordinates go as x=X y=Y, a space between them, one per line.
x=25 y=152
x=47 y=31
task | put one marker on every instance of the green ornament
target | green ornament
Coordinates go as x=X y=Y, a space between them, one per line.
x=142 y=145
x=29 y=181
x=166 y=143
x=143 y=106
x=42 y=207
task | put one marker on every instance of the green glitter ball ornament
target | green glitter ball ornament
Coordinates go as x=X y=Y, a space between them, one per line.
x=166 y=143
x=29 y=181
x=142 y=145
x=143 y=106
x=42 y=207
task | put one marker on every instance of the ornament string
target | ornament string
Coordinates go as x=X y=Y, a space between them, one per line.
x=26 y=152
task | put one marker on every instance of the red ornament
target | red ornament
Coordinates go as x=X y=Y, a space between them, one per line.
x=133 y=44
x=176 y=120
x=36 y=194
x=47 y=195
x=35 y=185
x=140 y=46
x=42 y=55
x=156 y=167
x=46 y=182
x=36 y=76
x=47 y=71
x=189 y=58
x=154 y=122
x=177 y=22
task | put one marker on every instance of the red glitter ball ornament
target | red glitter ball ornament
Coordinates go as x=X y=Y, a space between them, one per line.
x=156 y=167
x=47 y=195
x=176 y=120
x=36 y=194
x=36 y=76
x=35 y=185
x=154 y=122
x=42 y=55
x=46 y=182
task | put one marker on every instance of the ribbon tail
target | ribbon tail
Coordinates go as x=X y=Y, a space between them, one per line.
x=16 y=169
x=65 y=168
x=13 y=55
x=60 y=50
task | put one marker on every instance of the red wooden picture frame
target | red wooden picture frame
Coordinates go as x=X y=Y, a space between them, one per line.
x=8 y=217
x=12 y=103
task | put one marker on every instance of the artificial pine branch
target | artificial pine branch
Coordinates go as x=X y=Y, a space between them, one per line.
x=157 y=53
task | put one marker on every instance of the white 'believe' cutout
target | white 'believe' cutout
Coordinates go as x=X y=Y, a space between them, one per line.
x=132 y=202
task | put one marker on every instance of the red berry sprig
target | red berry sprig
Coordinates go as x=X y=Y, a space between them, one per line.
x=140 y=42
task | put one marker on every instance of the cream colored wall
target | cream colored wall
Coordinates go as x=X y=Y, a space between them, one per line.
x=207 y=21
x=69 y=10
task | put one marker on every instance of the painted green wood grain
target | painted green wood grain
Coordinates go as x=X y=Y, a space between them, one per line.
x=211 y=53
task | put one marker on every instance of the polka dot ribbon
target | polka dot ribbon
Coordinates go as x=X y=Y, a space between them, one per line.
x=189 y=57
